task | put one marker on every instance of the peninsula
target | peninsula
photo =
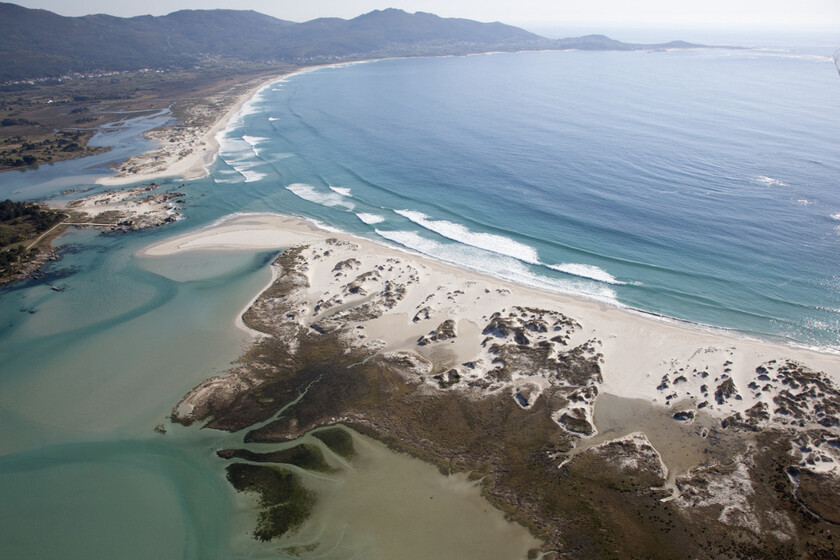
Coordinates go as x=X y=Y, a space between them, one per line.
x=606 y=432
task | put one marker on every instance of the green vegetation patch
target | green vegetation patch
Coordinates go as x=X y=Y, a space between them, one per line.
x=338 y=440
x=286 y=502
x=305 y=455
x=44 y=147
x=21 y=223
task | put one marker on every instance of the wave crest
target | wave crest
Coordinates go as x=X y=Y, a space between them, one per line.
x=343 y=191
x=312 y=194
x=770 y=181
x=499 y=266
x=589 y=271
x=498 y=244
x=370 y=219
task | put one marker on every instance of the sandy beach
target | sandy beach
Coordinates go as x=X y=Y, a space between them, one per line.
x=667 y=363
x=715 y=427
x=183 y=152
x=186 y=149
x=478 y=368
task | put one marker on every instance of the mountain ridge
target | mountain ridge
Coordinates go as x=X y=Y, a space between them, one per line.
x=36 y=43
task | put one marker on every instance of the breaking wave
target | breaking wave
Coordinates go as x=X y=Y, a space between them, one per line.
x=487 y=241
x=499 y=266
x=587 y=271
x=343 y=191
x=252 y=176
x=370 y=219
x=312 y=194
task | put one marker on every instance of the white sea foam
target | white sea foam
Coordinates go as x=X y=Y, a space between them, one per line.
x=836 y=216
x=272 y=119
x=587 y=271
x=312 y=194
x=325 y=227
x=252 y=176
x=227 y=177
x=370 y=219
x=254 y=140
x=500 y=266
x=241 y=165
x=234 y=147
x=770 y=181
x=487 y=241
x=343 y=191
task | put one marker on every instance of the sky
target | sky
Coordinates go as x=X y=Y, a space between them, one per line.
x=651 y=13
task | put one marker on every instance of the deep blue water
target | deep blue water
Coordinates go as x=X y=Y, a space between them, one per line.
x=701 y=185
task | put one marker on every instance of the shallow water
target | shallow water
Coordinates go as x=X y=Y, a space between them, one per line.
x=85 y=379
x=384 y=505
x=681 y=445
x=124 y=138
x=90 y=371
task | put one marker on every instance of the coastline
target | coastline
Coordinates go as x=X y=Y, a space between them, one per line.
x=474 y=374
x=202 y=145
x=576 y=418
x=194 y=165
x=275 y=231
x=461 y=339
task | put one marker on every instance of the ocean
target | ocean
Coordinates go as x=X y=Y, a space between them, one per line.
x=698 y=185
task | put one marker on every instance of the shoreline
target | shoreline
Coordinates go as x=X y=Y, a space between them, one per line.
x=195 y=164
x=524 y=388
x=233 y=234
x=277 y=231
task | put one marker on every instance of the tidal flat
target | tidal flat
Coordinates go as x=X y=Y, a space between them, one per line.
x=516 y=389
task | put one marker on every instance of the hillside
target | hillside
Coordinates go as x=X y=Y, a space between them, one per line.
x=39 y=44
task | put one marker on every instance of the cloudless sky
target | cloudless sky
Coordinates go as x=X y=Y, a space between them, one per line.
x=681 y=13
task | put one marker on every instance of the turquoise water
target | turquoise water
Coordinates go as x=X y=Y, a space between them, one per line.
x=700 y=185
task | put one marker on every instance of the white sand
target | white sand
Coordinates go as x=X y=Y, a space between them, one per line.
x=192 y=150
x=189 y=156
x=638 y=349
x=415 y=295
